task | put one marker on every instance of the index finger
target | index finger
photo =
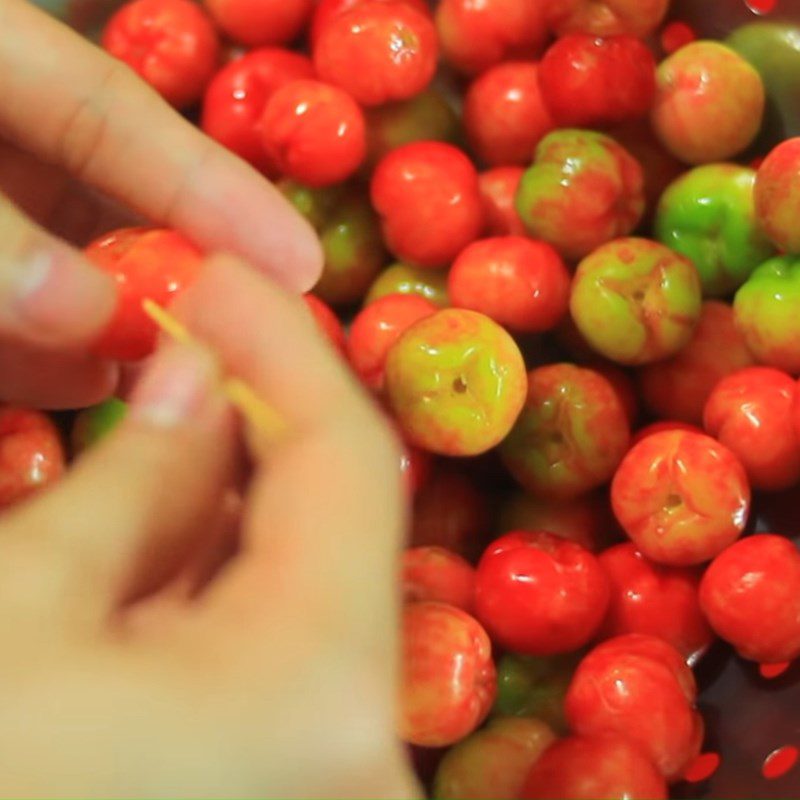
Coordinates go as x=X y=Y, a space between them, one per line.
x=71 y=104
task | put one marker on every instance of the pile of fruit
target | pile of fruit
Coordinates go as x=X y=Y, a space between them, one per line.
x=558 y=261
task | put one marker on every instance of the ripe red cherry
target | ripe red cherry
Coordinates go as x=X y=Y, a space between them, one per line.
x=475 y=36
x=588 y=767
x=327 y=321
x=421 y=182
x=377 y=327
x=326 y=10
x=662 y=425
x=437 y=574
x=498 y=188
x=314 y=133
x=653 y=599
x=539 y=594
x=752 y=412
x=521 y=283
x=505 y=114
x=170 y=43
x=261 y=22
x=588 y=82
x=681 y=497
x=638 y=687
x=146 y=263
x=378 y=51
x=31 y=454
x=235 y=99
x=751 y=596
x=448 y=681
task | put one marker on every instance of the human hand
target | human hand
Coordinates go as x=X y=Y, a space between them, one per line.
x=276 y=677
x=86 y=146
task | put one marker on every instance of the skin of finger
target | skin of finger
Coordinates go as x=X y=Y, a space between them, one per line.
x=73 y=105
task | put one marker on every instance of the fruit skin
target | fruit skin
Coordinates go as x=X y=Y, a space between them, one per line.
x=498 y=188
x=609 y=18
x=520 y=283
x=313 y=132
x=456 y=382
x=751 y=596
x=31 y=454
x=571 y=434
x=421 y=182
x=326 y=10
x=377 y=327
x=439 y=575
x=95 y=423
x=588 y=81
x=415 y=467
x=660 y=426
x=379 y=52
x=403 y=279
x=582 y=190
x=765 y=309
x=777 y=199
x=709 y=104
x=476 y=36
x=681 y=497
x=708 y=214
x=152 y=263
x=492 y=762
x=752 y=413
x=261 y=22
x=635 y=301
x=539 y=594
x=236 y=96
x=653 y=599
x=447 y=683
x=639 y=687
x=588 y=767
x=677 y=388
x=327 y=321
x=505 y=114
x=171 y=44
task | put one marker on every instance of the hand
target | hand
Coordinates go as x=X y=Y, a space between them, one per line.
x=277 y=677
x=86 y=146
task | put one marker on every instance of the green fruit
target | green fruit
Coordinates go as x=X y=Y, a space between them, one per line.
x=403 y=279
x=93 y=424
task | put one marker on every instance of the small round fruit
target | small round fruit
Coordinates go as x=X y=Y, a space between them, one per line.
x=681 y=497
x=456 y=382
x=498 y=188
x=261 y=22
x=402 y=279
x=539 y=594
x=635 y=301
x=606 y=17
x=438 y=575
x=777 y=198
x=326 y=10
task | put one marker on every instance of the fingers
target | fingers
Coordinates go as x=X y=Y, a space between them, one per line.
x=49 y=295
x=128 y=514
x=73 y=105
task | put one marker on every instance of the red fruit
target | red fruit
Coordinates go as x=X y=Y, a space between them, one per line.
x=415 y=466
x=538 y=594
x=751 y=596
x=638 y=687
x=752 y=413
x=418 y=184
x=606 y=17
x=236 y=97
x=326 y=10
x=433 y=573
x=377 y=327
x=498 y=188
x=31 y=454
x=169 y=43
x=681 y=497
x=448 y=677
x=261 y=22
x=653 y=599
x=622 y=384
x=589 y=82
x=505 y=114
x=327 y=321
x=147 y=263
x=589 y=767
x=314 y=133
x=521 y=283
x=378 y=51
x=662 y=425
x=475 y=36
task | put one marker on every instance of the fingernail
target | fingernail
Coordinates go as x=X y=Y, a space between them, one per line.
x=177 y=386
x=57 y=297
